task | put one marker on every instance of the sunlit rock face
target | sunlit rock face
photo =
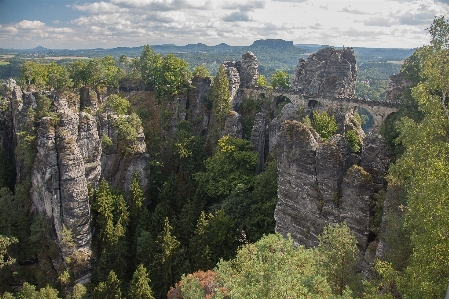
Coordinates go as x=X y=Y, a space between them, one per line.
x=319 y=184
x=327 y=73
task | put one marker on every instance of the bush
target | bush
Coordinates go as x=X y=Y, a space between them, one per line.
x=353 y=140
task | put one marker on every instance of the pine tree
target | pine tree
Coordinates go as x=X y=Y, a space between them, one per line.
x=221 y=96
x=140 y=285
x=109 y=289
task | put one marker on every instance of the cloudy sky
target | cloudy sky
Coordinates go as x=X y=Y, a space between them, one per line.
x=114 y=23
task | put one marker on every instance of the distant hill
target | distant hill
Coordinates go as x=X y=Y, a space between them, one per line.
x=272 y=44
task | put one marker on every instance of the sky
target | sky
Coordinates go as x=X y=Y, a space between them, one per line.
x=81 y=24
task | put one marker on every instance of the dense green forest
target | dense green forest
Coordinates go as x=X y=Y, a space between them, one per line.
x=207 y=216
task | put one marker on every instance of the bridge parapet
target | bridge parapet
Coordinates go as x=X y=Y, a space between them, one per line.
x=378 y=109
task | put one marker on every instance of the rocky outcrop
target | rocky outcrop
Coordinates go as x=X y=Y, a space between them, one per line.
x=374 y=159
x=234 y=82
x=319 y=184
x=69 y=157
x=59 y=184
x=396 y=88
x=258 y=139
x=327 y=73
x=248 y=69
x=233 y=125
x=120 y=159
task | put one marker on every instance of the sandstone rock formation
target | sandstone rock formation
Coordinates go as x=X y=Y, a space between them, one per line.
x=318 y=184
x=259 y=139
x=397 y=85
x=69 y=158
x=248 y=69
x=327 y=73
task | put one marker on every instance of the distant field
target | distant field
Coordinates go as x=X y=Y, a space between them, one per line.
x=4 y=62
x=65 y=57
x=397 y=62
x=6 y=56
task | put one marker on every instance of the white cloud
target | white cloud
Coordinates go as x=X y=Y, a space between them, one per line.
x=237 y=16
x=29 y=25
x=98 y=7
x=110 y=23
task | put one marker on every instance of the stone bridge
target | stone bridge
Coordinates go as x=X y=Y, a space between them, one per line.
x=378 y=109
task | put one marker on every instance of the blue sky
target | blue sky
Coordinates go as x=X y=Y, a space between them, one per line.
x=113 y=23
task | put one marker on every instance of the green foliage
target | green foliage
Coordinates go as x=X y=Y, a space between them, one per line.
x=97 y=73
x=423 y=171
x=280 y=79
x=201 y=71
x=221 y=96
x=262 y=81
x=33 y=73
x=172 y=76
x=139 y=287
x=5 y=259
x=233 y=165
x=118 y=104
x=128 y=129
x=109 y=289
x=273 y=268
x=79 y=292
x=324 y=124
x=7 y=171
x=149 y=65
x=59 y=77
x=353 y=140
x=339 y=252
x=105 y=140
x=28 y=291
x=112 y=218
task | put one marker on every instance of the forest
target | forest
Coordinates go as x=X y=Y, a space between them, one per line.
x=203 y=227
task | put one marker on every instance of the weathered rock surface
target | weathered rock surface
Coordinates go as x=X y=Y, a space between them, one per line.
x=234 y=82
x=397 y=85
x=121 y=160
x=248 y=69
x=199 y=113
x=59 y=185
x=375 y=159
x=259 y=139
x=69 y=158
x=319 y=184
x=327 y=73
x=233 y=125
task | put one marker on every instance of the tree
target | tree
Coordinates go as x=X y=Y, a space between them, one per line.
x=140 y=285
x=35 y=74
x=172 y=75
x=423 y=171
x=149 y=65
x=112 y=218
x=280 y=79
x=5 y=259
x=338 y=249
x=109 y=289
x=234 y=164
x=221 y=96
x=168 y=248
x=324 y=124
x=261 y=81
x=201 y=71
x=272 y=268
x=59 y=77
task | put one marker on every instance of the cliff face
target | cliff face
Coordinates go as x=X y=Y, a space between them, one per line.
x=327 y=73
x=319 y=183
x=70 y=159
